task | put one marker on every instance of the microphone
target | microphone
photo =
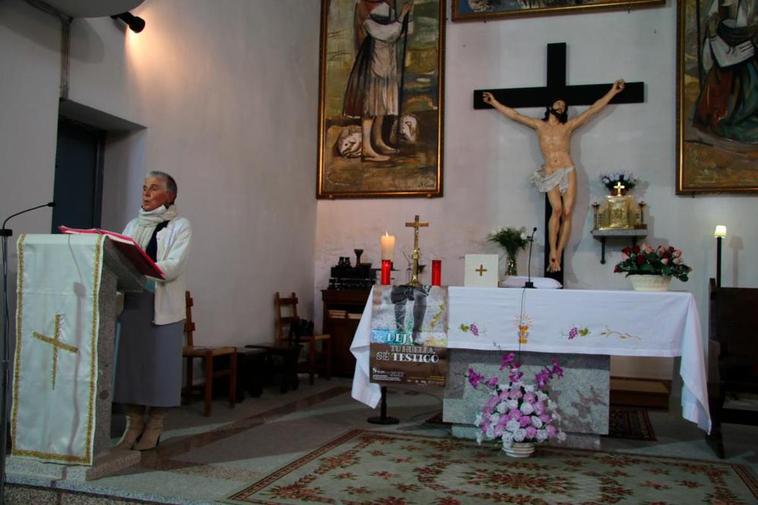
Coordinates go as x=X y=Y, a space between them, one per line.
x=4 y=232
x=529 y=283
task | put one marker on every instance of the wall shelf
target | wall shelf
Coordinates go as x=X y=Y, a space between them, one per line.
x=603 y=235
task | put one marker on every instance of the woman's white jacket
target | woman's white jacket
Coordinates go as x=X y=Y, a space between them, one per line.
x=173 y=250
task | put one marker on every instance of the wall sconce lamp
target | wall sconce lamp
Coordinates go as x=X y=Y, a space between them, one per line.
x=135 y=23
x=720 y=234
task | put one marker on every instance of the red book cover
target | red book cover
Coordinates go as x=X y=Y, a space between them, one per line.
x=126 y=245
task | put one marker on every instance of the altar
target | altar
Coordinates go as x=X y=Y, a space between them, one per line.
x=580 y=328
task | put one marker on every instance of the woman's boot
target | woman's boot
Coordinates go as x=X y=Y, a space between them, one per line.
x=135 y=422
x=152 y=433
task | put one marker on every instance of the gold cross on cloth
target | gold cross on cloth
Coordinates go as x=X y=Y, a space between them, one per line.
x=56 y=343
x=618 y=187
x=481 y=270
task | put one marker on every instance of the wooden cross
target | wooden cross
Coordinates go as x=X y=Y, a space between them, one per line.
x=618 y=187
x=56 y=343
x=481 y=270
x=416 y=256
x=556 y=88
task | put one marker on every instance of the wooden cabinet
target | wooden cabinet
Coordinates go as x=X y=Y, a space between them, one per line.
x=342 y=313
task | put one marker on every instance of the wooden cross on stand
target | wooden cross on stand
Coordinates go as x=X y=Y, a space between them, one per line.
x=480 y=270
x=416 y=256
x=556 y=88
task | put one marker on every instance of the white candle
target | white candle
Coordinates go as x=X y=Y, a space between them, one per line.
x=387 y=242
x=720 y=231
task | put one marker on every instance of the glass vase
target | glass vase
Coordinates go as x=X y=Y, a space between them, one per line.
x=510 y=265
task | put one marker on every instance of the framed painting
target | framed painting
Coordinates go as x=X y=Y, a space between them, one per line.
x=380 y=98
x=475 y=10
x=717 y=96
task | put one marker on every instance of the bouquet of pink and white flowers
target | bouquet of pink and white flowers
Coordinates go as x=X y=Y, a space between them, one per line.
x=515 y=410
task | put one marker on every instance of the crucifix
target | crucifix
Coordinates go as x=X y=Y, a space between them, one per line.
x=56 y=343
x=416 y=256
x=480 y=270
x=557 y=90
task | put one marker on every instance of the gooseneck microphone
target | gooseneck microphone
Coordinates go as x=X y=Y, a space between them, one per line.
x=529 y=283
x=5 y=233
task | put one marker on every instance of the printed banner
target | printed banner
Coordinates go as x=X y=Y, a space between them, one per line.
x=55 y=368
x=409 y=335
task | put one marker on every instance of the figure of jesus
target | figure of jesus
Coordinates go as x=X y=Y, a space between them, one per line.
x=557 y=177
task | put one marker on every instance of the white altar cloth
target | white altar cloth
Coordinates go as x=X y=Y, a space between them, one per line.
x=618 y=323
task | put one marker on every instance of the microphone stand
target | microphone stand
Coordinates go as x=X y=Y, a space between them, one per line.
x=5 y=234
x=529 y=283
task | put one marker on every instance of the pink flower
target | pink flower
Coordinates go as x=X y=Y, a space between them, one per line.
x=531 y=432
x=551 y=430
x=525 y=421
x=665 y=261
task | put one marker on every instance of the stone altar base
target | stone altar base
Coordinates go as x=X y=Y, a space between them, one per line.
x=582 y=394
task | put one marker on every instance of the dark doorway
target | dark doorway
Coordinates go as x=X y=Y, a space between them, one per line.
x=78 y=175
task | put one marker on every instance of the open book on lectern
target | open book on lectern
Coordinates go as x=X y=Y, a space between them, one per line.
x=126 y=245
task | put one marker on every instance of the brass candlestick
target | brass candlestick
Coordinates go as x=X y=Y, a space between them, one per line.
x=416 y=256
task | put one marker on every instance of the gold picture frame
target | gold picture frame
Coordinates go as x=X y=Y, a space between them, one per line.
x=403 y=157
x=482 y=10
x=717 y=148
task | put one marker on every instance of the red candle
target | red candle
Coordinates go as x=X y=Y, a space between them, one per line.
x=386 y=269
x=436 y=272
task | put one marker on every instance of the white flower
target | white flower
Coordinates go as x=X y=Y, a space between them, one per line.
x=479 y=437
x=536 y=422
x=541 y=435
x=502 y=407
x=478 y=419
x=561 y=436
x=541 y=396
x=512 y=426
x=512 y=404
x=507 y=440
x=526 y=408
x=556 y=416
x=494 y=418
x=529 y=388
x=490 y=431
x=519 y=435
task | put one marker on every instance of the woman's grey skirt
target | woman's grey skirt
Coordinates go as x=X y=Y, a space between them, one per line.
x=149 y=362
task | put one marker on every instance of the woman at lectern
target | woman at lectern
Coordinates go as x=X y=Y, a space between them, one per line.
x=149 y=365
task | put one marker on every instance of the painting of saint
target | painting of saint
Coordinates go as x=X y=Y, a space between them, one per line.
x=380 y=117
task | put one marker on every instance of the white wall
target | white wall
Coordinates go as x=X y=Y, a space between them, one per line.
x=228 y=93
x=488 y=160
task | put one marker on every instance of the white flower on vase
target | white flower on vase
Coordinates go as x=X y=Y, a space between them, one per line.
x=541 y=435
x=519 y=435
x=527 y=408
x=512 y=425
x=502 y=407
x=536 y=422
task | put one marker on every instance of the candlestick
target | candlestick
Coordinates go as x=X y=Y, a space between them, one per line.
x=386 y=271
x=436 y=272
x=387 y=242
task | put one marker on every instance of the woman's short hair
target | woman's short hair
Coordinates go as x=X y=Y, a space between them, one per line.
x=170 y=181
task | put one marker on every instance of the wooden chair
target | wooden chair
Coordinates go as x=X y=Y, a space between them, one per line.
x=733 y=328
x=284 y=328
x=208 y=355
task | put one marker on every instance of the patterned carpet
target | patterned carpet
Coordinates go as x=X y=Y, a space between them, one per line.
x=631 y=423
x=380 y=468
